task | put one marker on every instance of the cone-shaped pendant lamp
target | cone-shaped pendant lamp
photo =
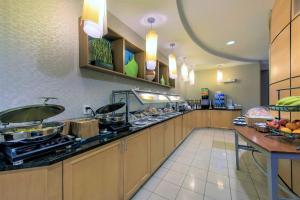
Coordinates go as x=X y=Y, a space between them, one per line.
x=192 y=77
x=151 y=47
x=184 y=71
x=219 y=76
x=94 y=16
x=172 y=64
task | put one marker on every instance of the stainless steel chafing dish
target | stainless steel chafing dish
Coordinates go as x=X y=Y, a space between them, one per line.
x=25 y=124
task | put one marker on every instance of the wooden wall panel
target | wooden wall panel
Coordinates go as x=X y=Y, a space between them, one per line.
x=296 y=83
x=280 y=16
x=295 y=51
x=296 y=8
x=274 y=97
x=280 y=54
x=296 y=163
x=280 y=57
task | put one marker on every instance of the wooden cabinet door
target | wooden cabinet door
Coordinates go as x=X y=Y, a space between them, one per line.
x=43 y=183
x=185 y=125
x=280 y=57
x=203 y=118
x=190 y=122
x=295 y=53
x=223 y=119
x=156 y=146
x=169 y=137
x=214 y=119
x=178 y=130
x=95 y=175
x=194 y=120
x=281 y=16
x=136 y=161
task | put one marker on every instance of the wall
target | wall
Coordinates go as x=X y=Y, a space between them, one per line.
x=285 y=70
x=39 y=57
x=246 y=91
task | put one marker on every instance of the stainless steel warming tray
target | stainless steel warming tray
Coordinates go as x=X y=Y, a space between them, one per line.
x=25 y=124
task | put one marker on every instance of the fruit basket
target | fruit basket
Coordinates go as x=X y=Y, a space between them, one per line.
x=277 y=132
x=285 y=108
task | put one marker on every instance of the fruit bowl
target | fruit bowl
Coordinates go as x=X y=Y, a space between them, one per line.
x=277 y=132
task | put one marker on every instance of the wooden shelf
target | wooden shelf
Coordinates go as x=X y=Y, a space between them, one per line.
x=107 y=71
x=118 y=45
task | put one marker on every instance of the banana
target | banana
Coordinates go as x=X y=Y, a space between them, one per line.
x=290 y=101
x=287 y=101
x=281 y=101
x=295 y=103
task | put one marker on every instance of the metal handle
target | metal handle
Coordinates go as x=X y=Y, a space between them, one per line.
x=46 y=99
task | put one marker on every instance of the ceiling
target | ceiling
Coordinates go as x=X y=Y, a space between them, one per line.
x=200 y=28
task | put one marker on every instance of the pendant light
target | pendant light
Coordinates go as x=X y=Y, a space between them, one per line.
x=192 y=77
x=172 y=63
x=219 y=76
x=94 y=17
x=151 y=46
x=184 y=71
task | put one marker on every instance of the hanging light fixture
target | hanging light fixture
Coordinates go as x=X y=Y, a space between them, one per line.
x=172 y=63
x=184 y=71
x=219 y=76
x=94 y=17
x=151 y=47
x=192 y=77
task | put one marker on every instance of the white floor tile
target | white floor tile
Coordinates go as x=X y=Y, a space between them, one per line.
x=200 y=164
x=197 y=173
x=194 y=184
x=179 y=167
x=168 y=164
x=167 y=190
x=214 y=192
x=187 y=160
x=156 y=197
x=152 y=183
x=161 y=172
x=237 y=195
x=219 y=180
x=188 y=195
x=218 y=170
x=203 y=167
x=243 y=186
x=174 y=177
x=142 y=194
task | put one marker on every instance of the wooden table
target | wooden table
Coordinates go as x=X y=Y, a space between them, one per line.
x=272 y=147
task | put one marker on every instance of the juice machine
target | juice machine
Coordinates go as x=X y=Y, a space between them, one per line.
x=205 y=103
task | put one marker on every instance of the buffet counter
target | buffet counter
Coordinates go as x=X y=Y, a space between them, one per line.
x=108 y=168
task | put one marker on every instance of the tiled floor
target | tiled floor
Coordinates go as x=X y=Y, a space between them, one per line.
x=203 y=167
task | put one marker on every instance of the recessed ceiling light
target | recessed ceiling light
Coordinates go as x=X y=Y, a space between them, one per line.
x=231 y=42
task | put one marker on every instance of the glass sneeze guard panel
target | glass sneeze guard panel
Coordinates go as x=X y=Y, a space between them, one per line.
x=175 y=98
x=146 y=97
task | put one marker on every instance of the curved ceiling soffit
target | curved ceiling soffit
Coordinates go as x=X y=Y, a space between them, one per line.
x=201 y=44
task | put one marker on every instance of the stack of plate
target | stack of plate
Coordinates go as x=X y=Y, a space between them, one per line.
x=239 y=121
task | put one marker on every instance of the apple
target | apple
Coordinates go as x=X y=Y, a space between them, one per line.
x=283 y=122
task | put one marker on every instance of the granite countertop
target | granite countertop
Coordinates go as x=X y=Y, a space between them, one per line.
x=76 y=149
x=225 y=109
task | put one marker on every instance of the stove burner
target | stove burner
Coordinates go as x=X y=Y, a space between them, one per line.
x=17 y=153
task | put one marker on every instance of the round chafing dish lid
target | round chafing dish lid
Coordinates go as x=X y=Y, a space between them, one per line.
x=110 y=108
x=30 y=113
